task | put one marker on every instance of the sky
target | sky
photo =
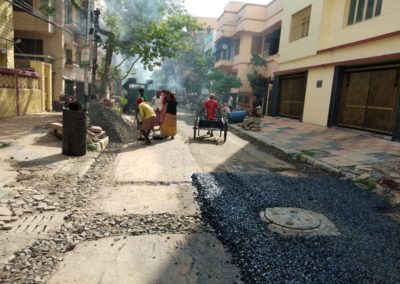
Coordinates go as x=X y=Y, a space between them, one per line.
x=213 y=8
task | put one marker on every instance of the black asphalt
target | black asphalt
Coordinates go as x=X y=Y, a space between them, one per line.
x=368 y=250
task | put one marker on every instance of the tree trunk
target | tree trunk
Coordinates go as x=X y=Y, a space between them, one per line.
x=105 y=78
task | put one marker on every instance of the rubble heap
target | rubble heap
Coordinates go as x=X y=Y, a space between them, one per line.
x=253 y=121
x=118 y=129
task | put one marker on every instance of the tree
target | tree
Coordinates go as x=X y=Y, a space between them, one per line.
x=149 y=30
x=222 y=83
x=258 y=82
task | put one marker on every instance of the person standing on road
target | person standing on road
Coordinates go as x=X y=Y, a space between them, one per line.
x=157 y=103
x=211 y=106
x=147 y=118
x=230 y=102
x=168 y=126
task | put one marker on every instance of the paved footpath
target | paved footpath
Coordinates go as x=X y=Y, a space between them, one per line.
x=149 y=181
x=355 y=154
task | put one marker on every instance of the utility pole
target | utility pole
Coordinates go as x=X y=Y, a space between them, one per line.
x=87 y=65
x=96 y=39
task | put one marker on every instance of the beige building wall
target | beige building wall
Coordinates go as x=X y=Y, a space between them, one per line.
x=6 y=35
x=331 y=42
x=241 y=22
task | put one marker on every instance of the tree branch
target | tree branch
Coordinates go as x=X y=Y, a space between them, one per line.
x=119 y=64
x=130 y=69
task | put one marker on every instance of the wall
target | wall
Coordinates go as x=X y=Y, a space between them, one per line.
x=317 y=101
x=22 y=98
x=44 y=70
x=6 y=34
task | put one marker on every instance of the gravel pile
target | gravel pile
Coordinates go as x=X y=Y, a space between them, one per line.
x=118 y=129
x=366 y=252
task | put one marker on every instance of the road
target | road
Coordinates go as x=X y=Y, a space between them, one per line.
x=192 y=211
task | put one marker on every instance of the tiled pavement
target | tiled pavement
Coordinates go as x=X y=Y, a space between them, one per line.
x=336 y=149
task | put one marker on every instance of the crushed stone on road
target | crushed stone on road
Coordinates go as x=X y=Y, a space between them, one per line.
x=367 y=251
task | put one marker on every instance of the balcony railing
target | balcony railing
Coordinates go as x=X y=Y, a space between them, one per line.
x=22 y=60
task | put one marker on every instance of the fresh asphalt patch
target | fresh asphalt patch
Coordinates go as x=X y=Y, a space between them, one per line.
x=366 y=251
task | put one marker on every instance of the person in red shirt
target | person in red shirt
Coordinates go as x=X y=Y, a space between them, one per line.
x=211 y=107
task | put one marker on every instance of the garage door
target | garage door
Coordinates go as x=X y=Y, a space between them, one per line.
x=292 y=94
x=369 y=99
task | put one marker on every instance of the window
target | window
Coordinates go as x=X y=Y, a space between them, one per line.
x=29 y=46
x=23 y=5
x=361 y=10
x=271 y=43
x=68 y=57
x=237 y=46
x=300 y=24
x=256 y=45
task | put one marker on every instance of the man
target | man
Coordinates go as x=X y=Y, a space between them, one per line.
x=157 y=103
x=230 y=102
x=211 y=106
x=147 y=119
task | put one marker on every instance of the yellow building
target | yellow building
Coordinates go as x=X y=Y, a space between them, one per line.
x=20 y=92
x=6 y=35
x=58 y=46
x=243 y=30
x=339 y=64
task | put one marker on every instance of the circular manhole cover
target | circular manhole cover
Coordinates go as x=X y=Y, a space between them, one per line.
x=298 y=222
x=293 y=218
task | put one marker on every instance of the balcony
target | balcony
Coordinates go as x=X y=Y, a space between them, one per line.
x=24 y=22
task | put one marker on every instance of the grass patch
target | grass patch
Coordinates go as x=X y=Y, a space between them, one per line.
x=91 y=147
x=311 y=153
x=369 y=183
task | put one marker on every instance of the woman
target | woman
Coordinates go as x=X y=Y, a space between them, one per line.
x=168 y=125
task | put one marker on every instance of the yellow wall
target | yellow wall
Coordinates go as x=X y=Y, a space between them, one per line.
x=316 y=105
x=6 y=34
x=44 y=70
x=30 y=96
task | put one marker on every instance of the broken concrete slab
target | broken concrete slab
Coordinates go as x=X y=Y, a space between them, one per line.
x=167 y=258
x=4 y=211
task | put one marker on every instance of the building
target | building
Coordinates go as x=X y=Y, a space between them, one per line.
x=243 y=30
x=55 y=41
x=205 y=39
x=339 y=64
x=20 y=91
x=6 y=35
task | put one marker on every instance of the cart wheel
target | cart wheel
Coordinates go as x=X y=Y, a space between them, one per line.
x=225 y=133
x=194 y=133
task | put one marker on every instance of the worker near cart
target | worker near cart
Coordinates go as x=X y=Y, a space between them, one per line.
x=147 y=118
x=211 y=106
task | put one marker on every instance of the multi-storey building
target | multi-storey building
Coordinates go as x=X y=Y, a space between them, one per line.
x=243 y=30
x=56 y=40
x=6 y=35
x=339 y=64
x=20 y=91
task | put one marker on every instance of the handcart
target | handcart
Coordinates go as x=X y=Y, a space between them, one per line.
x=201 y=122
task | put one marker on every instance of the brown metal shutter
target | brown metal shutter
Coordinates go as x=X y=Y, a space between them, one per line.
x=292 y=94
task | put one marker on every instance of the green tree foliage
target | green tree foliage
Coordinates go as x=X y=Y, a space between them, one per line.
x=258 y=82
x=222 y=83
x=149 y=30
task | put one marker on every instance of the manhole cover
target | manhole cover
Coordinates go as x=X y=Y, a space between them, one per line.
x=297 y=221
x=294 y=218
